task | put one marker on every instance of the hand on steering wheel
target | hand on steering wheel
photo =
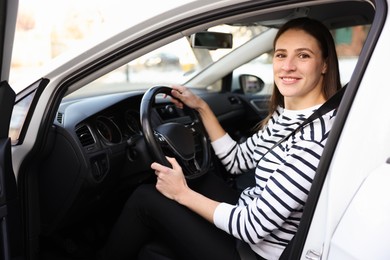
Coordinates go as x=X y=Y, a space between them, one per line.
x=187 y=142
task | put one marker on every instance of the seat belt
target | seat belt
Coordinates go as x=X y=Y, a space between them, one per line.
x=332 y=103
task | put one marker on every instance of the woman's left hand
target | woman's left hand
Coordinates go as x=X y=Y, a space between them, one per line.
x=170 y=181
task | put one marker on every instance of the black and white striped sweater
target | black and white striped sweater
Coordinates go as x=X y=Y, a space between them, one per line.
x=267 y=215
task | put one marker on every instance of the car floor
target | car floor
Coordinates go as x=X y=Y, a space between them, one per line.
x=81 y=244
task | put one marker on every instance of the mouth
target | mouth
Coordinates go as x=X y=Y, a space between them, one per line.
x=289 y=79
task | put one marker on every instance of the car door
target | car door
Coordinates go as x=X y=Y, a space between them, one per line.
x=8 y=193
x=9 y=216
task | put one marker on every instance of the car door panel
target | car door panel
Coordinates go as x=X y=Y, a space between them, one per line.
x=235 y=112
x=350 y=242
x=9 y=209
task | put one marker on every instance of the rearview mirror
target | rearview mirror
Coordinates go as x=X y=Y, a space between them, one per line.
x=211 y=40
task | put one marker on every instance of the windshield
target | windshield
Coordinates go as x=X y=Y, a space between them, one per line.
x=171 y=64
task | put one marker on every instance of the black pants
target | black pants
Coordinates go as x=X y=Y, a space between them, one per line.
x=148 y=215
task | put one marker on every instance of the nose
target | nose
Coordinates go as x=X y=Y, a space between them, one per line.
x=289 y=64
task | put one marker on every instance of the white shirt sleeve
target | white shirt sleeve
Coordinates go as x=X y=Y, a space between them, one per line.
x=222 y=144
x=221 y=215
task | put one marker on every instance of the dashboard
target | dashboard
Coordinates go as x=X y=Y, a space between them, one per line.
x=97 y=154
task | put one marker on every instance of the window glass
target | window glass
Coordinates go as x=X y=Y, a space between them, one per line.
x=173 y=63
x=349 y=42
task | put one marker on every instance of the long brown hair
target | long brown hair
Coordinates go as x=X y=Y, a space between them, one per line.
x=331 y=82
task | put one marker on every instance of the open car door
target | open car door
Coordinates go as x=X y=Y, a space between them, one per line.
x=9 y=213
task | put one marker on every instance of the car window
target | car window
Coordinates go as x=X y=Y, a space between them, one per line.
x=171 y=64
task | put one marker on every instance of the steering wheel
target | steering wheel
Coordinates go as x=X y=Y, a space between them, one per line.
x=186 y=140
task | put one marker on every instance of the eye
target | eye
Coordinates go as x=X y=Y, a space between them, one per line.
x=303 y=55
x=279 y=55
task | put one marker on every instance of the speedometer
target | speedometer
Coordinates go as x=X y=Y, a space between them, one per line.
x=108 y=130
x=132 y=121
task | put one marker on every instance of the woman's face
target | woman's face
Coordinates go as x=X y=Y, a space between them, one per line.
x=298 y=69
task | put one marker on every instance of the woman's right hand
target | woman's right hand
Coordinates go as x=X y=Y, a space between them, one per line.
x=183 y=95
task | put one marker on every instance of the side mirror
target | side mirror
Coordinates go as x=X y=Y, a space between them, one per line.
x=251 y=84
x=211 y=40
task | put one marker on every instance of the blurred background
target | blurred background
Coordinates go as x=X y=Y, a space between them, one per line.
x=48 y=28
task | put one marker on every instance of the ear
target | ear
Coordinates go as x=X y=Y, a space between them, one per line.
x=324 y=68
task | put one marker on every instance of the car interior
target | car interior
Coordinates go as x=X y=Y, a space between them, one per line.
x=104 y=135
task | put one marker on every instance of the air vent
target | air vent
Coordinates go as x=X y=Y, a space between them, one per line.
x=85 y=135
x=60 y=117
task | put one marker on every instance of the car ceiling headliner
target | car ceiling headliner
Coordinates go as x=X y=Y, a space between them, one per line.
x=333 y=15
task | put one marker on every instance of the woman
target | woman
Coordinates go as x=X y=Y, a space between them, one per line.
x=203 y=220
